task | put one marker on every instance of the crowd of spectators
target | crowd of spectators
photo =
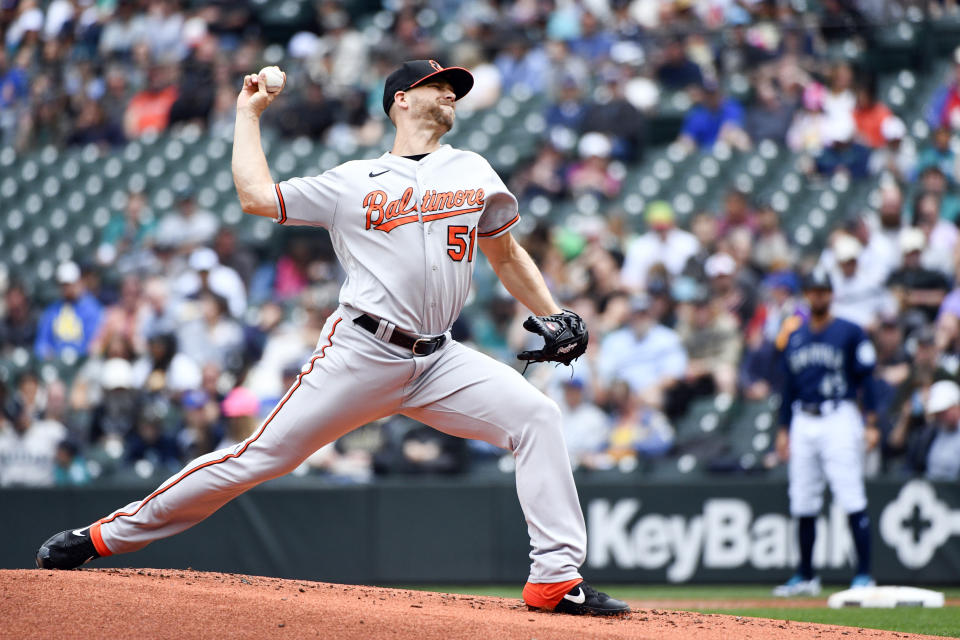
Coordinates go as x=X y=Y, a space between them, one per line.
x=184 y=337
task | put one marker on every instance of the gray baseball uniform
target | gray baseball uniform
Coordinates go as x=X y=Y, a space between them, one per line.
x=405 y=231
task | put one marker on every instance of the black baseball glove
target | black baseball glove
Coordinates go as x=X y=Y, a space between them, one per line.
x=564 y=337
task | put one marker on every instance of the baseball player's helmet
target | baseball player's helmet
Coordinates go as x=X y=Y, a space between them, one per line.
x=817 y=279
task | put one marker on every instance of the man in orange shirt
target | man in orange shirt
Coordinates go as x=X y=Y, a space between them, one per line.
x=150 y=108
x=869 y=114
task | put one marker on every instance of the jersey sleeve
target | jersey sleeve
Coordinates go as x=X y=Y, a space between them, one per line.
x=310 y=201
x=787 y=393
x=500 y=211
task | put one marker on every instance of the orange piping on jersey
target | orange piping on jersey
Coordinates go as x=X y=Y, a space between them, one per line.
x=283 y=207
x=390 y=225
x=450 y=214
x=245 y=446
x=487 y=234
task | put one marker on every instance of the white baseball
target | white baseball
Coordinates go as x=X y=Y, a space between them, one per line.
x=273 y=77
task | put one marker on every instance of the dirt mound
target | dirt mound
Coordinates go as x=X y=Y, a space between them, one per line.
x=165 y=603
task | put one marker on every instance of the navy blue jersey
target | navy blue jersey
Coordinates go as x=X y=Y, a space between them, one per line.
x=834 y=363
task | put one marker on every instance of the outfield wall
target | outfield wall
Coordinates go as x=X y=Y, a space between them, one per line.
x=428 y=531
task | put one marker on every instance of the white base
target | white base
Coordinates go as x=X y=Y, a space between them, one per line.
x=885 y=598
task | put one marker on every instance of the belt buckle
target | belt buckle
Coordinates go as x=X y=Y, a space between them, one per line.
x=416 y=343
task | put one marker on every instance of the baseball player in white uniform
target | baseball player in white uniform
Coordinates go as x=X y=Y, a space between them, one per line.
x=827 y=366
x=407 y=227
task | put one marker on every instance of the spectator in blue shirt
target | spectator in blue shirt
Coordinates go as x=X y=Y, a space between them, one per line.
x=70 y=323
x=646 y=355
x=714 y=118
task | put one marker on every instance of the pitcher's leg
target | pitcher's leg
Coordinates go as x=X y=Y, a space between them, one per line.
x=311 y=414
x=470 y=395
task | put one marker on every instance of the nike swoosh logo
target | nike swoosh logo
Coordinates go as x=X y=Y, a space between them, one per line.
x=78 y=532
x=374 y=175
x=580 y=598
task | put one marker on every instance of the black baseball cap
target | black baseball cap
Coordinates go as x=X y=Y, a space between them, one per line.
x=817 y=279
x=415 y=72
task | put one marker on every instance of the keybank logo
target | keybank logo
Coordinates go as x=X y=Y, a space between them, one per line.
x=917 y=523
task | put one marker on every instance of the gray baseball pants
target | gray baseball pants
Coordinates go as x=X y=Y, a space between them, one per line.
x=354 y=378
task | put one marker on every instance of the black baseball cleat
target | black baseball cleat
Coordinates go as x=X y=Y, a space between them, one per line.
x=67 y=550
x=585 y=600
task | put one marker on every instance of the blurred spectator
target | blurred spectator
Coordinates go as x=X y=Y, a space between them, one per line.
x=543 y=177
x=165 y=369
x=942 y=236
x=736 y=213
x=869 y=113
x=936 y=452
x=779 y=313
x=309 y=113
x=915 y=287
x=646 y=355
x=28 y=447
x=609 y=112
x=939 y=154
x=770 y=117
x=731 y=296
x=93 y=127
x=71 y=323
x=638 y=430
x=664 y=244
x=714 y=118
x=944 y=108
x=898 y=154
x=839 y=100
x=676 y=71
x=70 y=467
x=241 y=408
x=125 y=319
x=149 y=109
x=713 y=342
x=18 y=322
x=119 y=410
x=213 y=337
x=569 y=108
x=197 y=88
x=148 y=444
x=592 y=174
x=858 y=295
x=133 y=229
x=412 y=448
x=206 y=274
x=521 y=63
x=201 y=430
x=771 y=250
x=808 y=130
x=933 y=180
x=187 y=227
x=585 y=426
x=842 y=154
x=233 y=255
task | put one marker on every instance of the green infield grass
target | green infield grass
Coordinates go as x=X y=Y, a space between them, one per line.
x=757 y=602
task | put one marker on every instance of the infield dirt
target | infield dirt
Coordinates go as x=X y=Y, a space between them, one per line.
x=164 y=603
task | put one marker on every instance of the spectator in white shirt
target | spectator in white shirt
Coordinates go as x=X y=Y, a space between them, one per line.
x=857 y=294
x=207 y=274
x=663 y=244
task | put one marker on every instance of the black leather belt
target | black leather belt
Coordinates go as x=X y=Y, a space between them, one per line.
x=819 y=408
x=419 y=346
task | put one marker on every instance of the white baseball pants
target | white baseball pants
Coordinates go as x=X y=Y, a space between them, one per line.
x=827 y=448
x=352 y=379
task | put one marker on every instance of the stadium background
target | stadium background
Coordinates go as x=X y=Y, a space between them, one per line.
x=145 y=320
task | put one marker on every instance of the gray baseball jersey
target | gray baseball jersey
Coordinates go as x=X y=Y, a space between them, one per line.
x=406 y=233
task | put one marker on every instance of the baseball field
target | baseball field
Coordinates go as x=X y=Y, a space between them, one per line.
x=171 y=603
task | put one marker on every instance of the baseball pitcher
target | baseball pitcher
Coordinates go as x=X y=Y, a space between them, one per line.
x=407 y=227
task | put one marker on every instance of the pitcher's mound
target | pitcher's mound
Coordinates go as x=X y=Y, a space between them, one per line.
x=169 y=603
